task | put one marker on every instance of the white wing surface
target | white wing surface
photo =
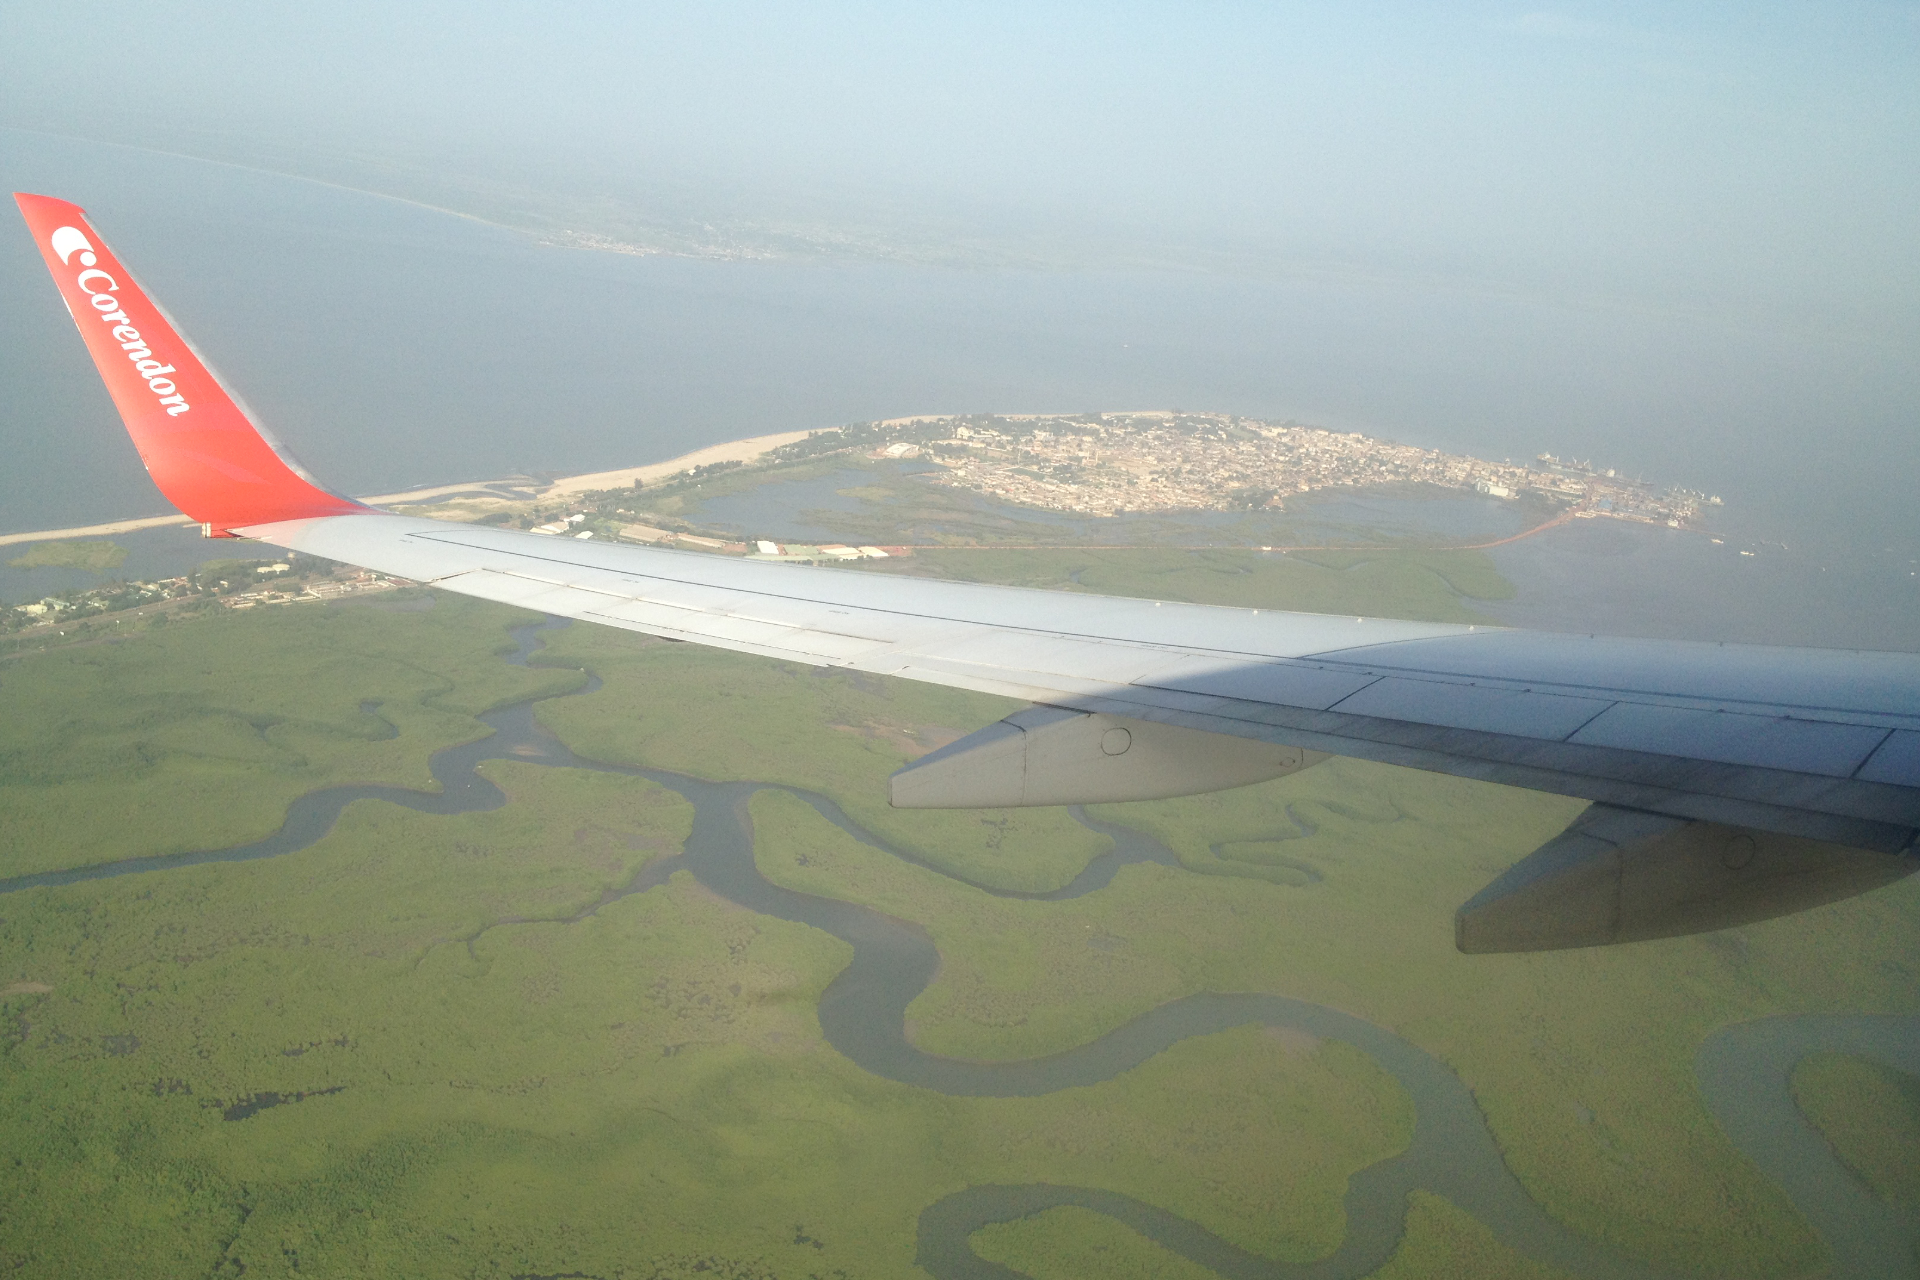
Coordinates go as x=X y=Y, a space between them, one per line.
x=1819 y=743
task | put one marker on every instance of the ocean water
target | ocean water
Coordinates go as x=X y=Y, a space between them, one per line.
x=152 y=554
x=391 y=345
x=1609 y=577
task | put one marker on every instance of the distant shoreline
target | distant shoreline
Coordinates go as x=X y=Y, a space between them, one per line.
x=94 y=530
x=744 y=450
x=729 y=451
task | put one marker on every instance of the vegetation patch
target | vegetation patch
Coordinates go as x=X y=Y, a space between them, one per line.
x=92 y=554
x=1069 y=1243
x=500 y=1075
x=1870 y=1113
x=1418 y=585
x=198 y=736
x=1583 y=1061
x=1444 y=1240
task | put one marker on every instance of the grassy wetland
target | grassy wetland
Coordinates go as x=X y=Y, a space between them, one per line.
x=531 y=1041
x=1870 y=1114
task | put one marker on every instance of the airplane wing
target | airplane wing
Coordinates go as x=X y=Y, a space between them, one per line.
x=1729 y=782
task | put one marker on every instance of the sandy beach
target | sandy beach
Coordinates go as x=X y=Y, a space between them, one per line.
x=730 y=451
x=93 y=530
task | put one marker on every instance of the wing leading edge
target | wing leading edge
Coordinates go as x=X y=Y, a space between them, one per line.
x=1819 y=749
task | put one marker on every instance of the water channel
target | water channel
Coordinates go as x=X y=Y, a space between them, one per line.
x=1744 y=1069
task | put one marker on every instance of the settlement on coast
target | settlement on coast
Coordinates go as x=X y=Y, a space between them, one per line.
x=1113 y=463
x=1095 y=464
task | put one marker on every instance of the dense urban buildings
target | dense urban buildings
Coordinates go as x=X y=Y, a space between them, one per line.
x=1103 y=464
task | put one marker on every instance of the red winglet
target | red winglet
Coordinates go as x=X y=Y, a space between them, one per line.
x=203 y=450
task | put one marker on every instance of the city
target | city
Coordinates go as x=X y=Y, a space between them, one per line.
x=1089 y=464
x=1106 y=464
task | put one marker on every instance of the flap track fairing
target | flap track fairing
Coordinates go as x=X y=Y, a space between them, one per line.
x=1620 y=875
x=1050 y=755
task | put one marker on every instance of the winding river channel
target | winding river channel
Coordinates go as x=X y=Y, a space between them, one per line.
x=1743 y=1070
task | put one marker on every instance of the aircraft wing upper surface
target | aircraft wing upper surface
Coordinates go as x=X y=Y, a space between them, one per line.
x=1807 y=745
x=1820 y=743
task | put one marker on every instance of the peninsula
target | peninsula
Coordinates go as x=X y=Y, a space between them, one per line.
x=1099 y=464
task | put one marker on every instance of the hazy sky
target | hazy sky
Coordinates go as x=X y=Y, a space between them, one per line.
x=1752 y=162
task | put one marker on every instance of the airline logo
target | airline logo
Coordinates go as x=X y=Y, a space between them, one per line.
x=70 y=244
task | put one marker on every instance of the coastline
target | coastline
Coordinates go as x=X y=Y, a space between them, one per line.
x=93 y=530
x=743 y=450
x=728 y=451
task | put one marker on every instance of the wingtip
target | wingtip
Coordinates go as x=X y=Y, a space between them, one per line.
x=26 y=198
x=200 y=446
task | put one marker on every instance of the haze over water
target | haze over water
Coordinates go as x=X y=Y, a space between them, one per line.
x=392 y=345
